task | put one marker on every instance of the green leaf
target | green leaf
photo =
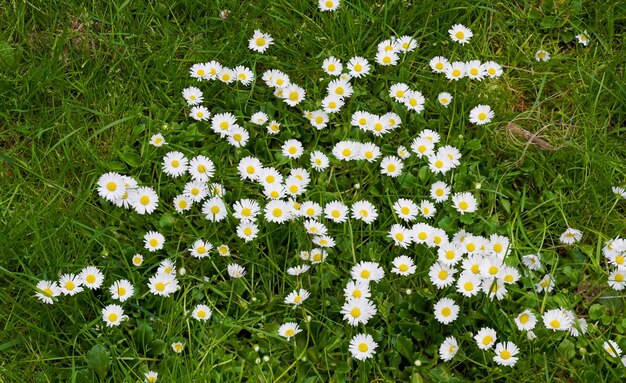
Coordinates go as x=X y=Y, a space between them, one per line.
x=143 y=335
x=167 y=220
x=596 y=311
x=405 y=347
x=566 y=350
x=131 y=158
x=157 y=347
x=473 y=144
x=466 y=219
x=99 y=360
x=84 y=375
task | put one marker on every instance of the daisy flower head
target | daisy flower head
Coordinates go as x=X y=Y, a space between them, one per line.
x=485 y=338
x=439 y=191
x=464 y=202
x=235 y=270
x=571 y=236
x=460 y=33
x=336 y=211
x=214 y=209
x=438 y=64
x=259 y=118
x=277 y=211
x=157 y=140
x=260 y=41
x=439 y=163
x=492 y=68
x=199 y=71
x=406 y=44
x=391 y=166
x=403 y=265
x=421 y=232
x=387 y=58
x=213 y=68
x=422 y=147
x=247 y=230
x=619 y=191
x=469 y=284
x=223 y=250
x=557 y=319
x=509 y=275
x=400 y=235
x=293 y=94
x=361 y=119
x=367 y=271
x=545 y=284
x=340 y=88
x=398 y=91
x=402 y=152
x=113 y=315
x=505 y=354
x=542 y=55
x=481 y=114
x=318 y=256
x=122 y=290
x=223 y=124
x=289 y=330
x=201 y=168
x=328 y=5
x=292 y=149
x=532 y=261
x=525 y=321
x=238 y=137
x=319 y=119
x=151 y=376
x=199 y=113
x=332 y=103
x=201 y=313
x=244 y=75
x=46 y=290
x=297 y=270
x=364 y=211
x=153 y=241
x=358 y=67
x=319 y=160
x=91 y=277
x=332 y=66
x=448 y=349
x=358 y=310
x=441 y=275
x=200 y=249
x=175 y=164
x=414 y=100
x=196 y=191
x=357 y=289
x=137 y=260
x=499 y=245
x=475 y=70
x=111 y=186
x=579 y=325
x=297 y=297
x=446 y=311
x=427 y=209
x=369 y=152
x=617 y=279
x=583 y=38
x=192 y=95
x=178 y=347
x=362 y=346
x=144 y=200
x=246 y=209
x=612 y=348
x=437 y=238
x=249 y=168
x=324 y=241
x=444 y=98
x=405 y=209
x=455 y=71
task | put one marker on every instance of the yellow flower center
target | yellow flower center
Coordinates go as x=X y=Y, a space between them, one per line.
x=403 y=268
x=356 y=312
x=250 y=169
x=475 y=269
x=336 y=213
x=505 y=354
x=289 y=333
x=491 y=71
x=339 y=91
x=474 y=71
x=277 y=212
x=175 y=163
x=356 y=293
x=487 y=340
x=297 y=299
x=363 y=121
x=422 y=236
x=497 y=247
x=318 y=257
x=444 y=100
x=201 y=168
x=619 y=260
x=260 y=41
x=399 y=236
x=413 y=102
x=144 y=200
x=201 y=72
x=405 y=210
x=482 y=116
x=237 y=137
x=364 y=213
x=438 y=164
x=346 y=152
x=555 y=324
x=391 y=168
x=247 y=231
x=446 y=311
x=90 y=278
x=111 y=186
x=508 y=278
x=153 y=242
x=332 y=104
x=387 y=59
x=524 y=318
x=443 y=275
x=319 y=119
x=293 y=96
x=439 y=66
x=460 y=35
x=619 y=277
x=365 y=274
x=468 y=286
x=112 y=317
x=215 y=209
x=363 y=347
x=201 y=314
x=121 y=291
x=463 y=205
x=358 y=67
x=456 y=73
x=47 y=291
x=331 y=67
x=293 y=150
x=493 y=270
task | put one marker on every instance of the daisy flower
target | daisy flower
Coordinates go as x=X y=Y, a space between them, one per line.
x=525 y=321
x=201 y=168
x=460 y=33
x=238 y=137
x=178 y=347
x=340 y=88
x=113 y=315
x=199 y=113
x=244 y=75
x=612 y=348
x=213 y=68
x=391 y=166
x=192 y=95
x=358 y=67
x=223 y=123
x=199 y=71
x=310 y=209
x=427 y=209
x=422 y=146
x=446 y=311
x=318 y=256
x=441 y=275
x=448 y=348
x=475 y=70
x=292 y=149
x=122 y=290
x=469 y=284
x=91 y=277
x=439 y=163
x=332 y=66
x=357 y=289
x=398 y=91
x=439 y=64
x=414 y=100
x=481 y=114
x=328 y=5
x=336 y=211
x=201 y=313
x=485 y=338
x=367 y=271
x=297 y=297
x=369 y=152
x=236 y=271
x=196 y=190
x=260 y=41
x=332 y=103
x=289 y=330
x=297 y=270
x=455 y=71
x=111 y=186
x=405 y=209
x=444 y=98
x=247 y=230
x=439 y=191
x=403 y=265
x=619 y=191
x=358 y=310
x=319 y=160
x=223 y=250
x=214 y=209
x=277 y=211
x=259 y=118
x=571 y=236
x=46 y=290
x=542 y=55
x=400 y=235
x=617 y=279
x=557 y=319
x=144 y=200
x=137 y=260
x=175 y=164
x=364 y=211
x=492 y=68
x=362 y=346
x=153 y=241
x=505 y=354
x=509 y=275
x=532 y=261
x=157 y=140
x=386 y=58
x=293 y=94
x=583 y=38
x=249 y=168
x=246 y=209
x=151 y=376
x=324 y=241
x=200 y=249
x=406 y=44
x=421 y=232
x=464 y=202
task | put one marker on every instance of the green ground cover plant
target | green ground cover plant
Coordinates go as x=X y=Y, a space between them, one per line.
x=469 y=229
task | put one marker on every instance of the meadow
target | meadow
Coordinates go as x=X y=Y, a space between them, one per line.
x=429 y=243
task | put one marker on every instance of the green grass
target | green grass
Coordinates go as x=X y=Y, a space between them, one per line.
x=84 y=85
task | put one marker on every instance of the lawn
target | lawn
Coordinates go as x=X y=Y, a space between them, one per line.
x=85 y=87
